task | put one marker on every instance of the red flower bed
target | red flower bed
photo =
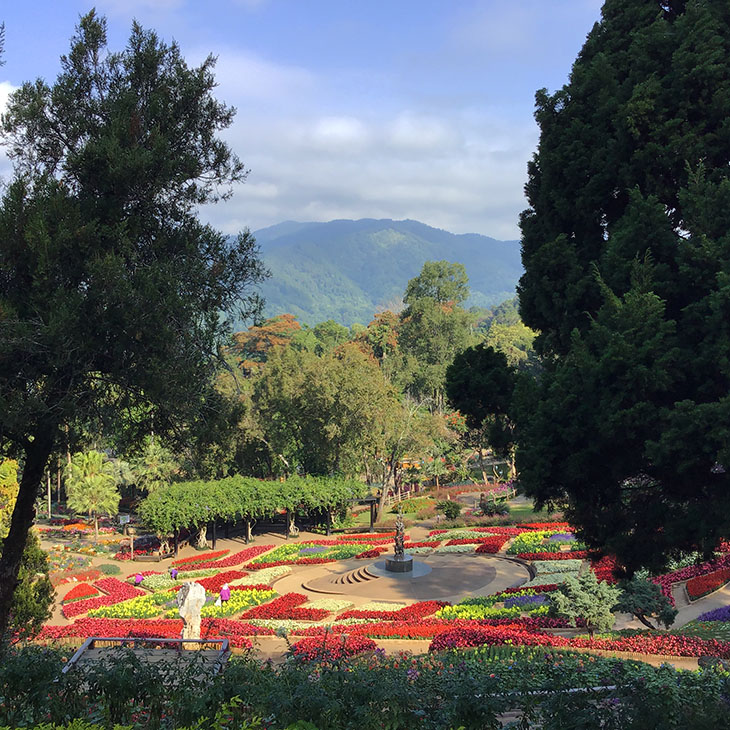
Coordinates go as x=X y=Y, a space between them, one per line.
x=116 y=591
x=478 y=636
x=80 y=591
x=605 y=568
x=372 y=553
x=234 y=631
x=287 y=607
x=331 y=648
x=704 y=584
x=661 y=644
x=492 y=544
x=432 y=544
x=547 y=525
x=236 y=559
x=498 y=530
x=214 y=583
x=408 y=613
x=202 y=558
x=376 y=537
x=570 y=555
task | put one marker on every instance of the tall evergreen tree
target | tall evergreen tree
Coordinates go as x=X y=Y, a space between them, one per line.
x=626 y=248
x=110 y=286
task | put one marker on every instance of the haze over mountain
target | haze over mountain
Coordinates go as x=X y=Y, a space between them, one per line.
x=347 y=270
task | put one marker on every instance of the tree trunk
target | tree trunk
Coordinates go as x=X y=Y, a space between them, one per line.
x=37 y=453
x=96 y=528
x=48 y=477
x=482 y=466
x=644 y=621
x=202 y=541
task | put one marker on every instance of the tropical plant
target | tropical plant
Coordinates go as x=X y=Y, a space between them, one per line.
x=91 y=486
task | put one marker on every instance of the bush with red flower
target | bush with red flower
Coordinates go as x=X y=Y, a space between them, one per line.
x=331 y=647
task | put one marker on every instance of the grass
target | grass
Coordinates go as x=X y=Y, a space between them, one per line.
x=719 y=630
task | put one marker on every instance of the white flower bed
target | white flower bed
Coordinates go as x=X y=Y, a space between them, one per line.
x=329 y=604
x=380 y=606
x=281 y=623
x=265 y=576
x=419 y=551
x=543 y=567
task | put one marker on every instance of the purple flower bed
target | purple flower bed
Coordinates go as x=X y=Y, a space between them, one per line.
x=563 y=536
x=522 y=601
x=315 y=549
x=718 y=614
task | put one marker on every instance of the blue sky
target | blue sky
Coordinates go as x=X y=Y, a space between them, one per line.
x=397 y=109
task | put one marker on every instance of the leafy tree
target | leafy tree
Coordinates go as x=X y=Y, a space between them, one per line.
x=441 y=281
x=587 y=598
x=255 y=344
x=110 y=287
x=451 y=510
x=33 y=598
x=625 y=254
x=91 y=486
x=645 y=600
x=8 y=493
x=481 y=385
x=155 y=467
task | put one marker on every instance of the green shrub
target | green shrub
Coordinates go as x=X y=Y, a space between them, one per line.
x=451 y=510
x=109 y=569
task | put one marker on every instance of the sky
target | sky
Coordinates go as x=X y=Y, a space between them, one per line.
x=419 y=109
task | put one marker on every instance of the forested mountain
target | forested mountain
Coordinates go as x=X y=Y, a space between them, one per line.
x=347 y=270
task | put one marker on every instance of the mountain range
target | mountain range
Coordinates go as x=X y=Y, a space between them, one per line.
x=348 y=270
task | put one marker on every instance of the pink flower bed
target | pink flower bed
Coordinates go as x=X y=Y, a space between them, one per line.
x=116 y=591
x=605 y=569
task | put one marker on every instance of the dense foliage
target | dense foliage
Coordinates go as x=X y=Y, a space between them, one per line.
x=465 y=689
x=625 y=247
x=195 y=504
x=111 y=289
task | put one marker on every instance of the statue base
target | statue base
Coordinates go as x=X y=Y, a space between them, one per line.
x=399 y=564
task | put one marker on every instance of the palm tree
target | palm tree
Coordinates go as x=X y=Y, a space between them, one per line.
x=91 y=486
x=155 y=467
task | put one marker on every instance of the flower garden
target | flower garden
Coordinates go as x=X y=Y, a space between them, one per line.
x=519 y=616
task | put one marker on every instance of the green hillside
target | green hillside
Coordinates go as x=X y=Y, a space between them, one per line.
x=346 y=270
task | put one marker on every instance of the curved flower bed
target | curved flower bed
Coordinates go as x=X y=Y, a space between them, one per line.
x=372 y=553
x=704 y=584
x=408 y=613
x=287 y=606
x=666 y=581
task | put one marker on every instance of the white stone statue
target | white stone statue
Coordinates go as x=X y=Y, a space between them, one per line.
x=190 y=599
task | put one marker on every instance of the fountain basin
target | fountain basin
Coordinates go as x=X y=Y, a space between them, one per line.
x=399 y=564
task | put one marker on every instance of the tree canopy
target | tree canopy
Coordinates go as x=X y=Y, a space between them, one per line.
x=625 y=248
x=110 y=286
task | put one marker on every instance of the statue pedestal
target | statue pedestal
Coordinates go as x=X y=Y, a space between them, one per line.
x=398 y=564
